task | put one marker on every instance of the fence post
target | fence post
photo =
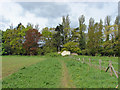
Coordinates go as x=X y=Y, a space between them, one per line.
x=90 y=61
x=83 y=60
x=110 y=64
x=100 y=64
x=114 y=71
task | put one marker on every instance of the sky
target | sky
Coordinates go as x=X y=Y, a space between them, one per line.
x=49 y=14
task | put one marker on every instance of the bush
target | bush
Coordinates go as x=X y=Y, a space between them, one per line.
x=53 y=54
x=76 y=50
x=64 y=49
x=98 y=54
x=72 y=47
x=85 y=52
x=45 y=50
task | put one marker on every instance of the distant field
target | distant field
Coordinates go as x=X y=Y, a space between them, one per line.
x=56 y=72
x=11 y=64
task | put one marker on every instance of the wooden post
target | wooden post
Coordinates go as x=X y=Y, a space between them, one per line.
x=110 y=64
x=83 y=60
x=107 y=69
x=114 y=71
x=90 y=61
x=100 y=64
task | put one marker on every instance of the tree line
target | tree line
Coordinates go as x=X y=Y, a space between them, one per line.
x=96 y=39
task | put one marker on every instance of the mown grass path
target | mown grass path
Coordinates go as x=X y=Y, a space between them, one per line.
x=66 y=80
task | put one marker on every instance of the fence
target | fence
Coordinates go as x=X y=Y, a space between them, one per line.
x=110 y=66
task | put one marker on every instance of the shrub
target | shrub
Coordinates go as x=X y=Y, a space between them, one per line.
x=53 y=54
x=45 y=50
x=85 y=52
x=72 y=47
x=98 y=54
x=64 y=49
x=76 y=50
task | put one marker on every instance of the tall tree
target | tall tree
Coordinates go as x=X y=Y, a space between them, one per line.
x=31 y=42
x=47 y=37
x=107 y=23
x=91 y=37
x=98 y=36
x=111 y=44
x=58 y=37
x=116 y=23
x=82 y=28
x=66 y=28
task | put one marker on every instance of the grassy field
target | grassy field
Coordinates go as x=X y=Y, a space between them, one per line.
x=11 y=64
x=104 y=60
x=43 y=74
x=85 y=76
x=56 y=72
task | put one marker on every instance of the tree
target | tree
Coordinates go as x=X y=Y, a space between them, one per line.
x=98 y=37
x=17 y=40
x=75 y=35
x=66 y=28
x=100 y=33
x=19 y=25
x=58 y=37
x=116 y=36
x=91 y=37
x=37 y=26
x=13 y=39
x=116 y=23
x=82 y=28
x=111 y=46
x=47 y=37
x=107 y=23
x=31 y=42
x=6 y=40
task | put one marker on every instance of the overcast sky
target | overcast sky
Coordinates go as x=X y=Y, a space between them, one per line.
x=49 y=14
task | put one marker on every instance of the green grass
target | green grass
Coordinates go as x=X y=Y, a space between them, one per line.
x=84 y=76
x=104 y=60
x=11 y=64
x=46 y=72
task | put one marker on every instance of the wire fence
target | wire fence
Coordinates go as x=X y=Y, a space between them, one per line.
x=99 y=65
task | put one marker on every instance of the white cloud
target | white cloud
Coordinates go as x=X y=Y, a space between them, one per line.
x=31 y=18
x=10 y=11
x=94 y=11
x=14 y=13
x=101 y=13
x=77 y=9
